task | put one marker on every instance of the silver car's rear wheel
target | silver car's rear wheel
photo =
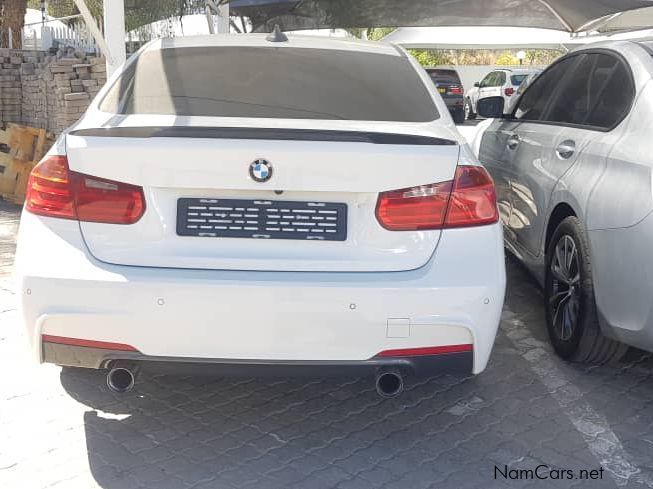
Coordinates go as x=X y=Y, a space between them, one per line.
x=572 y=318
x=565 y=293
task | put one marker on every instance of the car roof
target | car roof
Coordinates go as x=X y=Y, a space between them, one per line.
x=516 y=71
x=614 y=44
x=259 y=40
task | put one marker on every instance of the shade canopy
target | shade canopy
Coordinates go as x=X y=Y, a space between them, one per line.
x=563 y=15
x=497 y=38
x=479 y=38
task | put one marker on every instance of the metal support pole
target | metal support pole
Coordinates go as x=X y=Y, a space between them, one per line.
x=114 y=33
x=223 y=19
x=222 y=11
x=95 y=30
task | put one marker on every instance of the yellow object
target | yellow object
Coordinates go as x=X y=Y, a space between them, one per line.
x=21 y=148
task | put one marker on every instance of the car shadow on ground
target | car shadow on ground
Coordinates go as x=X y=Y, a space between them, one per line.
x=173 y=431
x=263 y=432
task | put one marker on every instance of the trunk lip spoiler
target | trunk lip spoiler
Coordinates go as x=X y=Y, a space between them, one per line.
x=271 y=134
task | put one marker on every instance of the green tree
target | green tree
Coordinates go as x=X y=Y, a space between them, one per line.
x=430 y=57
x=541 y=56
x=507 y=59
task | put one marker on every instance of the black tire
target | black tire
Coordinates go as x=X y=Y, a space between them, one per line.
x=571 y=315
x=459 y=116
x=469 y=111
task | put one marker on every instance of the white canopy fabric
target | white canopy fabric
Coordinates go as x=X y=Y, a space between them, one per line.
x=494 y=38
x=625 y=21
x=565 y=15
x=478 y=38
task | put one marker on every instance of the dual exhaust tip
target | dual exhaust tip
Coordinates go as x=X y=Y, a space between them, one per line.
x=122 y=377
x=389 y=383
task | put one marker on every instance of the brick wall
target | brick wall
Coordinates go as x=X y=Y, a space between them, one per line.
x=49 y=91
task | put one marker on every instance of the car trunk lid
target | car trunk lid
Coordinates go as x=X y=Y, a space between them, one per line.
x=181 y=165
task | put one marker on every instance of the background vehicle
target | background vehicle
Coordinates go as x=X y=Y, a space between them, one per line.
x=451 y=90
x=288 y=223
x=573 y=170
x=497 y=83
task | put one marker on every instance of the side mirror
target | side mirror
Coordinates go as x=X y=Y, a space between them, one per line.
x=491 y=107
x=477 y=84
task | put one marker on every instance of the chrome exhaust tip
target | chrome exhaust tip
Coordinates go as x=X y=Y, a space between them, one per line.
x=121 y=378
x=389 y=384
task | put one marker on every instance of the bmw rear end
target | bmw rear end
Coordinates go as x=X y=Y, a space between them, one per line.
x=448 y=84
x=244 y=204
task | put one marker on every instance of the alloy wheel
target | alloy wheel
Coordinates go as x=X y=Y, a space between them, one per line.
x=565 y=293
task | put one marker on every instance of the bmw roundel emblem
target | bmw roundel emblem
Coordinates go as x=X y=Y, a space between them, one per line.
x=260 y=170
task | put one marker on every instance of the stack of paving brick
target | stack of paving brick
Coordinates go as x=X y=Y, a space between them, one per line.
x=10 y=85
x=63 y=106
x=47 y=91
x=33 y=102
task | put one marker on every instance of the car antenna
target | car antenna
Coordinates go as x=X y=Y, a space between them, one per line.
x=276 y=35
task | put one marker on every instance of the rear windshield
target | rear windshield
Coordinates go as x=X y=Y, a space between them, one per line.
x=517 y=80
x=444 y=76
x=271 y=82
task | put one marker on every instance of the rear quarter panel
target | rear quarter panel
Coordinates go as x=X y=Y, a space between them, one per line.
x=623 y=194
x=619 y=220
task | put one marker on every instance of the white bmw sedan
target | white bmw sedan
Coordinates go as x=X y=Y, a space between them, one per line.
x=259 y=202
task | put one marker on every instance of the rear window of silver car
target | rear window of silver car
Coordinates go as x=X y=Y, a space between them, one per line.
x=272 y=82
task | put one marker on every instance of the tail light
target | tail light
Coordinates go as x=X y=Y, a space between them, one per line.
x=455 y=90
x=509 y=91
x=468 y=200
x=55 y=191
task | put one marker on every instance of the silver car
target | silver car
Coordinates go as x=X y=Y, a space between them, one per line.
x=573 y=168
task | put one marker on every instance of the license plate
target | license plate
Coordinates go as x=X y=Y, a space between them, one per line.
x=262 y=219
x=442 y=90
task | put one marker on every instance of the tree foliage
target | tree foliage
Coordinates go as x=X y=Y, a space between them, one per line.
x=431 y=57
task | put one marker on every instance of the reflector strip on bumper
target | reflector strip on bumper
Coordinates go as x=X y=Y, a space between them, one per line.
x=106 y=345
x=427 y=350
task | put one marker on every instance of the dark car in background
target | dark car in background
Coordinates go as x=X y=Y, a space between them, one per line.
x=448 y=83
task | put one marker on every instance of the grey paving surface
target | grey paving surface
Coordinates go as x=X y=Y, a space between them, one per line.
x=64 y=429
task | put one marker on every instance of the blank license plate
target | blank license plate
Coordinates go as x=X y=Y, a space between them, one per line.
x=262 y=219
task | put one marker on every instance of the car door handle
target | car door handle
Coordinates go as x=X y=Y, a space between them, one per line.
x=566 y=149
x=513 y=141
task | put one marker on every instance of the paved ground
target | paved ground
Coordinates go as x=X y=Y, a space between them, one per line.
x=64 y=429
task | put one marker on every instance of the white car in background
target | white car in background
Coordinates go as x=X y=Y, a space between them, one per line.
x=503 y=82
x=310 y=207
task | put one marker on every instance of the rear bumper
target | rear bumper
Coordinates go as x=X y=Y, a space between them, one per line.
x=622 y=271
x=269 y=319
x=419 y=365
